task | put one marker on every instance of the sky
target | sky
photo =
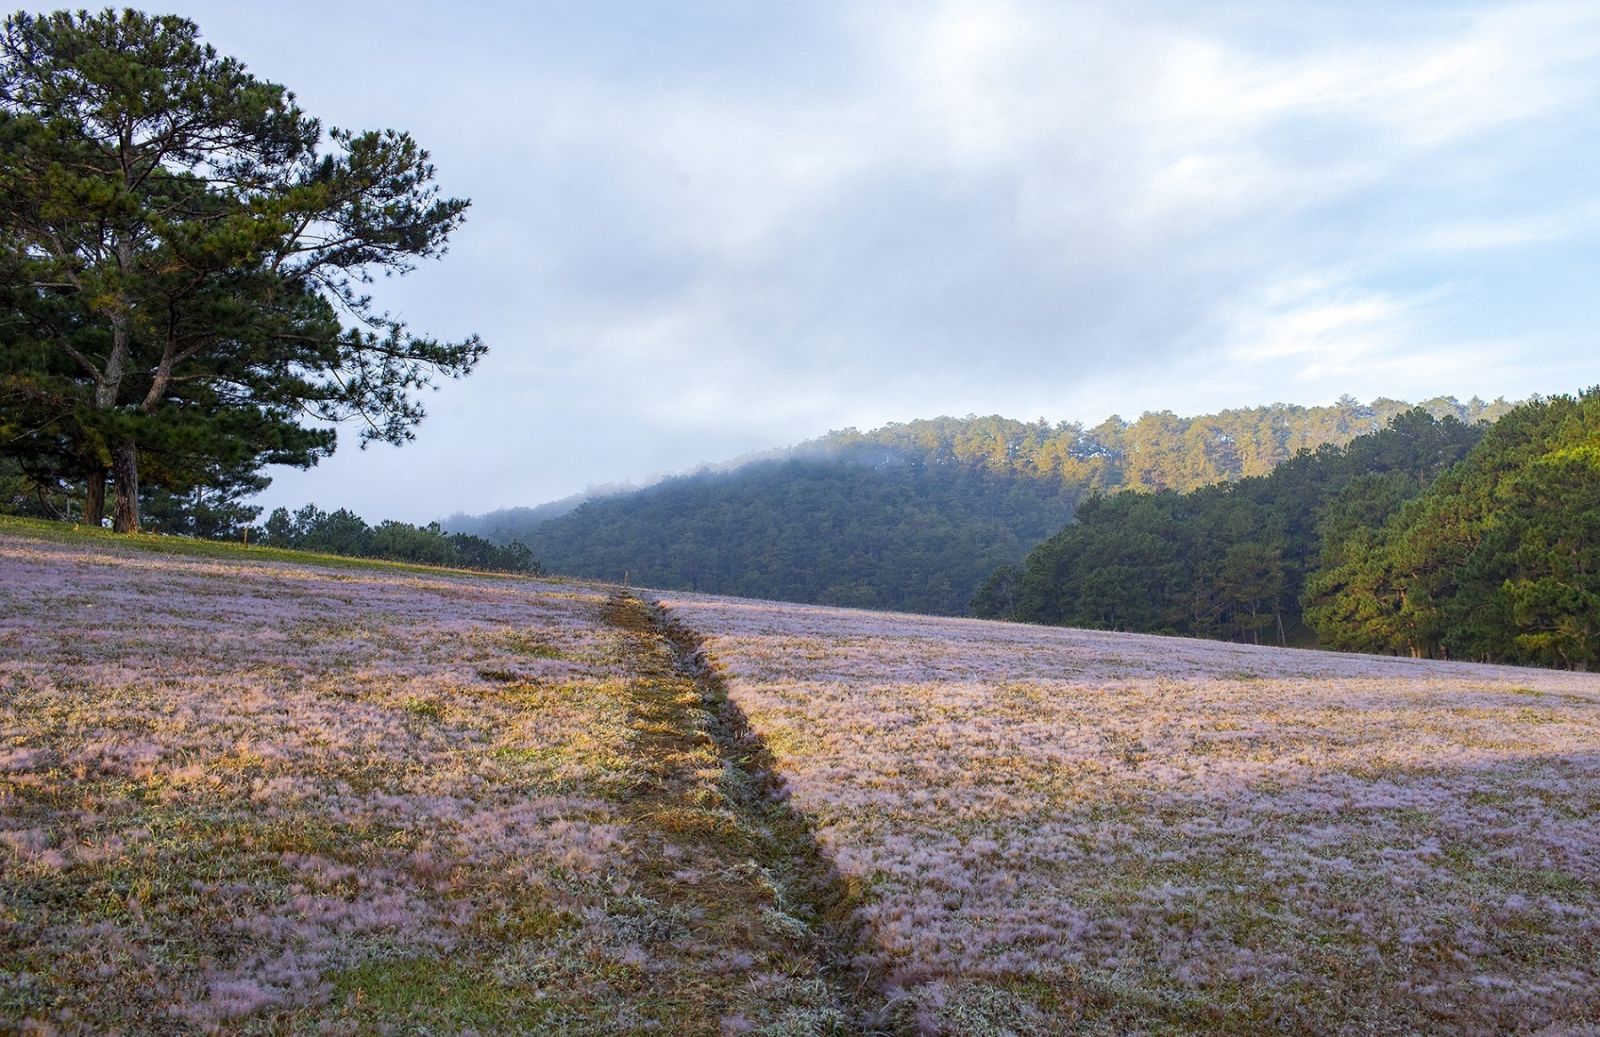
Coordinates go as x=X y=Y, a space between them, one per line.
x=704 y=229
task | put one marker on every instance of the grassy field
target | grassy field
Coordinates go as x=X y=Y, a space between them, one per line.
x=244 y=796
x=1055 y=831
x=257 y=792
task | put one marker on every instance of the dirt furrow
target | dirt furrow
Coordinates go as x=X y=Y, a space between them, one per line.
x=719 y=846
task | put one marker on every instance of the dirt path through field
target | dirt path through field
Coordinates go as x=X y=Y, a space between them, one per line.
x=720 y=844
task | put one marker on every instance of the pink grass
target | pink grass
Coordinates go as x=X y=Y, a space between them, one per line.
x=1245 y=836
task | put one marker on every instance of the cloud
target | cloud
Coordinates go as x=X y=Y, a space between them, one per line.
x=1512 y=231
x=1315 y=320
x=720 y=229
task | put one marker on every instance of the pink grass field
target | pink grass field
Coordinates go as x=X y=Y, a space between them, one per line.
x=235 y=794
x=1054 y=831
x=247 y=796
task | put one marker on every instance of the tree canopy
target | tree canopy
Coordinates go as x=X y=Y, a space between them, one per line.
x=183 y=262
x=1226 y=560
x=1431 y=538
x=915 y=515
x=1499 y=560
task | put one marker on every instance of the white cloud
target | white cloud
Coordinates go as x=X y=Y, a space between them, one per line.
x=1318 y=321
x=967 y=206
x=1511 y=231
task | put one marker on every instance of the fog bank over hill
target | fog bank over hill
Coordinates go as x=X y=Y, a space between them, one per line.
x=701 y=229
x=912 y=515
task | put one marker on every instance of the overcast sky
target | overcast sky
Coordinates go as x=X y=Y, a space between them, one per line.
x=702 y=229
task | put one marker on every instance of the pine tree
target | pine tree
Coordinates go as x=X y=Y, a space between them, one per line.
x=181 y=248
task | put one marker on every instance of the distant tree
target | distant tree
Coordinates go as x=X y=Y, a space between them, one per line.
x=1549 y=593
x=473 y=552
x=279 y=530
x=343 y=532
x=340 y=532
x=1251 y=579
x=1350 y=597
x=424 y=544
x=997 y=598
x=179 y=258
x=213 y=512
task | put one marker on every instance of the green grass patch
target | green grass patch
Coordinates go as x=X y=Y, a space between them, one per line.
x=527 y=919
x=425 y=708
x=527 y=643
x=434 y=993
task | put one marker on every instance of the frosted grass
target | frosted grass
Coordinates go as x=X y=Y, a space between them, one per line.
x=227 y=789
x=1049 y=828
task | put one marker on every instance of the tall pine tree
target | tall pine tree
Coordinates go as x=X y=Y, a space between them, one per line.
x=182 y=259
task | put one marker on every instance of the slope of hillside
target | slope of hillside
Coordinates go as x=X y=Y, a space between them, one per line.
x=1229 y=560
x=248 y=796
x=240 y=793
x=1060 y=831
x=907 y=536
x=913 y=516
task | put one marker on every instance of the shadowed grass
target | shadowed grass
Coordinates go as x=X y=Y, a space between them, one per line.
x=706 y=804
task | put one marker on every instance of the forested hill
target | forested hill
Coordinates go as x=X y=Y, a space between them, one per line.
x=914 y=516
x=1229 y=560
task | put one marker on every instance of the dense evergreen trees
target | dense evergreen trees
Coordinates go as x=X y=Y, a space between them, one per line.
x=343 y=532
x=1498 y=561
x=183 y=261
x=1159 y=451
x=1222 y=561
x=1432 y=538
x=915 y=516
x=898 y=534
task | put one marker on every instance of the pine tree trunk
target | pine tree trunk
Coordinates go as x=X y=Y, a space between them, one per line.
x=124 y=455
x=125 y=473
x=94 y=498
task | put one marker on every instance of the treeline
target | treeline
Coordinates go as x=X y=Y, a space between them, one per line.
x=1431 y=538
x=1221 y=561
x=207 y=513
x=1159 y=451
x=897 y=534
x=914 y=516
x=344 y=532
x=1499 y=561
